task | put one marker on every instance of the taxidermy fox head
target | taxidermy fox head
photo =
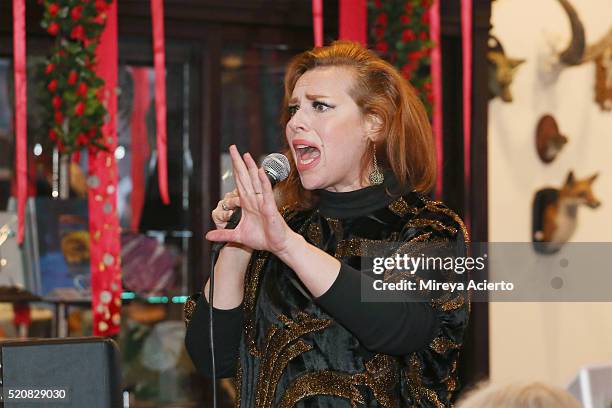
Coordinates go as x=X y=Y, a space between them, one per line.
x=576 y=192
x=501 y=70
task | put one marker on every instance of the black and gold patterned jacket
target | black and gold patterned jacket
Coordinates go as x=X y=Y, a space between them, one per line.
x=335 y=351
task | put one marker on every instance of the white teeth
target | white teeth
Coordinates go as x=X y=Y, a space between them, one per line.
x=307 y=161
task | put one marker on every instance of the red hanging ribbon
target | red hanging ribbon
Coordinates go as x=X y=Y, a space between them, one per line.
x=140 y=143
x=353 y=21
x=21 y=136
x=436 y=82
x=22 y=314
x=159 y=58
x=103 y=220
x=466 y=42
x=317 y=22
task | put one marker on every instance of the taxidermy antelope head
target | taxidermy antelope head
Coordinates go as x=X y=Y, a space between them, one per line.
x=555 y=60
x=501 y=70
x=577 y=52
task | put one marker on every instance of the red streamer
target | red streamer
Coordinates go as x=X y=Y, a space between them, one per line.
x=353 y=21
x=140 y=143
x=159 y=58
x=22 y=314
x=317 y=22
x=466 y=42
x=21 y=136
x=103 y=220
x=436 y=82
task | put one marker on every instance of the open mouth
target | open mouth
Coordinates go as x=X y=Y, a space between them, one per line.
x=307 y=155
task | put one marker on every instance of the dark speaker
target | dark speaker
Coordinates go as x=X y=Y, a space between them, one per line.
x=67 y=372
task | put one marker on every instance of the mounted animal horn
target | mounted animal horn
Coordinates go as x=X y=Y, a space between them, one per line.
x=575 y=51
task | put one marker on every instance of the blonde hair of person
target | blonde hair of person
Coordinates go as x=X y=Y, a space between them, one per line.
x=518 y=395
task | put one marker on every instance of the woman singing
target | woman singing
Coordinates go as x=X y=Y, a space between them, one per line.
x=290 y=322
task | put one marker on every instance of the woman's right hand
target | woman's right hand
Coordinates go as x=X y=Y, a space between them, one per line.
x=225 y=209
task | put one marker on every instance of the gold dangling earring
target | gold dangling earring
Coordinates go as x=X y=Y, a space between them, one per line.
x=376 y=176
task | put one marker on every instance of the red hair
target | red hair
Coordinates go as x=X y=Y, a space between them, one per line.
x=404 y=142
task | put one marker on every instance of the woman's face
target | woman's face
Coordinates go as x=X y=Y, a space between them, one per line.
x=327 y=133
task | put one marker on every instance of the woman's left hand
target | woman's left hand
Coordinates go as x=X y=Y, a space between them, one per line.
x=261 y=226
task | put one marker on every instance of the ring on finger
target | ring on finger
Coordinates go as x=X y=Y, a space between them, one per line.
x=224 y=206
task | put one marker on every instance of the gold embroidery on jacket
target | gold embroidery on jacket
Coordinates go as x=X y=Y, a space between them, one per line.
x=281 y=346
x=442 y=344
x=400 y=207
x=414 y=378
x=380 y=376
x=445 y=304
x=435 y=206
x=314 y=234
x=251 y=282
x=359 y=247
x=188 y=309
x=238 y=384
x=435 y=224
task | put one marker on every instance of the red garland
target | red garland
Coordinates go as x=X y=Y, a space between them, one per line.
x=399 y=32
x=77 y=114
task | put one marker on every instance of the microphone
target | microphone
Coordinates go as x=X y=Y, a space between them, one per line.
x=276 y=166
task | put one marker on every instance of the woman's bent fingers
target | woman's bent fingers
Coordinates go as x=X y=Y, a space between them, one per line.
x=254 y=175
x=230 y=203
x=231 y=194
x=222 y=235
x=241 y=174
x=239 y=188
x=268 y=194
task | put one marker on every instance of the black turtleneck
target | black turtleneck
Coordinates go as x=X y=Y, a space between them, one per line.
x=359 y=202
x=389 y=327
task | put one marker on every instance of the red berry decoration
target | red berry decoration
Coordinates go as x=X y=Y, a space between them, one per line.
x=53 y=8
x=52 y=85
x=82 y=89
x=59 y=117
x=77 y=33
x=53 y=28
x=76 y=12
x=79 y=109
x=72 y=77
x=56 y=102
